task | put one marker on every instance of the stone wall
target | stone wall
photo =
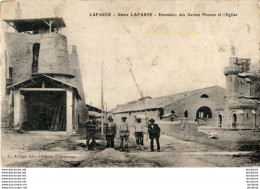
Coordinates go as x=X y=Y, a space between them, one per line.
x=77 y=82
x=258 y=115
x=246 y=118
x=193 y=103
x=18 y=56
x=131 y=116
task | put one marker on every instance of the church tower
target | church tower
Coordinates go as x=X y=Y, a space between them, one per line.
x=236 y=66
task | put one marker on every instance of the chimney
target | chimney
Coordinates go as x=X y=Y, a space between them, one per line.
x=18 y=11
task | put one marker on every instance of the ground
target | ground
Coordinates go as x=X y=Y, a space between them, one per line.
x=56 y=149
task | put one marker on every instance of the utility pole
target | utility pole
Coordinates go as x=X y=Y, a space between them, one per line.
x=106 y=112
x=102 y=101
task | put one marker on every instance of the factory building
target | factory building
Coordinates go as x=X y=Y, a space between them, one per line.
x=198 y=105
x=44 y=88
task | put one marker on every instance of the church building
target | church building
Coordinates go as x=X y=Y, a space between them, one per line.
x=242 y=102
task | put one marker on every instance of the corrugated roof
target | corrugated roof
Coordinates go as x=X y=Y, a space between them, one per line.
x=155 y=103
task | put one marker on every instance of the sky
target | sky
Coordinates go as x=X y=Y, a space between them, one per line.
x=151 y=56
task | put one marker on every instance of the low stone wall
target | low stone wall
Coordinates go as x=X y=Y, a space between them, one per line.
x=178 y=127
x=244 y=140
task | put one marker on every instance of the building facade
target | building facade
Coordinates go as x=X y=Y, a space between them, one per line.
x=242 y=103
x=43 y=81
x=197 y=105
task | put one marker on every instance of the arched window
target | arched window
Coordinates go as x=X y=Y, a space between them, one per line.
x=234 y=120
x=204 y=96
x=173 y=112
x=186 y=114
x=219 y=120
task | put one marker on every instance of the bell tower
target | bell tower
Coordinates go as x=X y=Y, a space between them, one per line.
x=231 y=75
x=236 y=66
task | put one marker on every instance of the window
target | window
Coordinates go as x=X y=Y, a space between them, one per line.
x=257 y=89
x=242 y=87
x=204 y=96
x=161 y=112
x=186 y=114
x=9 y=80
x=10 y=72
x=35 y=54
x=236 y=86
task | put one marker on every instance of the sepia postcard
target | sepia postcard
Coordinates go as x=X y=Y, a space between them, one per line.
x=130 y=83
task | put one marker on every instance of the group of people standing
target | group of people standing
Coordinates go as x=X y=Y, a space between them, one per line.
x=111 y=129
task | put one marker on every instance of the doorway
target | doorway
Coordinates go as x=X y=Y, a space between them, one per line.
x=204 y=112
x=234 y=120
x=219 y=120
x=46 y=110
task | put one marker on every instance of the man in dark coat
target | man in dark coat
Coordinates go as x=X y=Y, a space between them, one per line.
x=154 y=133
x=110 y=132
x=91 y=131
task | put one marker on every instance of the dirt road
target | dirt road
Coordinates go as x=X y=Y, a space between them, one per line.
x=56 y=149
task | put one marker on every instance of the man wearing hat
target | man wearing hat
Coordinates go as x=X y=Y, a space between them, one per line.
x=110 y=132
x=91 y=130
x=154 y=133
x=139 y=133
x=124 y=134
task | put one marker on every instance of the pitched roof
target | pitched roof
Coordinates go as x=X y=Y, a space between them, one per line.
x=44 y=77
x=93 y=108
x=155 y=103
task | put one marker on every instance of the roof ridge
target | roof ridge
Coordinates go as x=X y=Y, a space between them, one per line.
x=161 y=101
x=188 y=91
